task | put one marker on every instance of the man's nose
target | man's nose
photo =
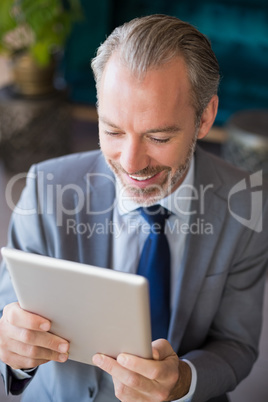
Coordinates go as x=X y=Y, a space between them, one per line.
x=134 y=156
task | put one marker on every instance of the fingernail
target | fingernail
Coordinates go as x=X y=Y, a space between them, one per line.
x=97 y=359
x=63 y=357
x=45 y=326
x=63 y=347
x=122 y=360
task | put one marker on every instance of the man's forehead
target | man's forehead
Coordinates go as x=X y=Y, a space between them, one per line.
x=116 y=65
x=163 y=89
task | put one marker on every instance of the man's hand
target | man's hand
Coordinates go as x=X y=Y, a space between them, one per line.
x=25 y=341
x=165 y=378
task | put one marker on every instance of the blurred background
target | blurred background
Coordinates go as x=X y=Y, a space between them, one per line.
x=47 y=93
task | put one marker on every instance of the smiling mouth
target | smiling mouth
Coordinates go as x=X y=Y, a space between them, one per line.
x=142 y=178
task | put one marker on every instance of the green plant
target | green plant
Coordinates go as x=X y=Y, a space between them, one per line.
x=38 y=26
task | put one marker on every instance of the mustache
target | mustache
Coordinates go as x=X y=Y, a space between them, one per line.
x=148 y=171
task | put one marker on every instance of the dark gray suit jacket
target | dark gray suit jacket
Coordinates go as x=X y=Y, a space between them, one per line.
x=216 y=321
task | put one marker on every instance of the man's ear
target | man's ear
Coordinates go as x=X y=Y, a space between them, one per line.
x=208 y=117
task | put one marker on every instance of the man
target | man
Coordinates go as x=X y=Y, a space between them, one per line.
x=157 y=81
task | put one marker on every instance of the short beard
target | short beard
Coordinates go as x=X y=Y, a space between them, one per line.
x=153 y=193
x=182 y=170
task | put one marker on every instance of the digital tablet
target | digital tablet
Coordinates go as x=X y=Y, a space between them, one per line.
x=95 y=309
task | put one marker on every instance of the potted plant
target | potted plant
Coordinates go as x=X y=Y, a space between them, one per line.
x=32 y=32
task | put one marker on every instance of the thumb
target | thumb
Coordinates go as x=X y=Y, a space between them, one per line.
x=161 y=349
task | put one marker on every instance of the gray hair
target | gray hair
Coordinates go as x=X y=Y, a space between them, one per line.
x=149 y=42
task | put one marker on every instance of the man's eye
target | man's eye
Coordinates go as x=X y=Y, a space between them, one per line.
x=160 y=140
x=111 y=133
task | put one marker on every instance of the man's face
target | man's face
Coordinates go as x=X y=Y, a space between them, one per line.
x=147 y=128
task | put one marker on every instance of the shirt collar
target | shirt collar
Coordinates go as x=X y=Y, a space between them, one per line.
x=177 y=202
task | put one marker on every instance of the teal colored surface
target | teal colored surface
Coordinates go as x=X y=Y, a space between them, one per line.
x=86 y=37
x=237 y=29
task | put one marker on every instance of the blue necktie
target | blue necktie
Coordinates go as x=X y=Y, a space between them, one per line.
x=155 y=266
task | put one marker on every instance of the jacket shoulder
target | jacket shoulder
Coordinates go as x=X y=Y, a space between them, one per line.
x=73 y=167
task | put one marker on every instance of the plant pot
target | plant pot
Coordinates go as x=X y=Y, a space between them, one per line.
x=30 y=79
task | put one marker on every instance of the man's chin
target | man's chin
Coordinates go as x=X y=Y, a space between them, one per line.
x=145 y=201
x=143 y=197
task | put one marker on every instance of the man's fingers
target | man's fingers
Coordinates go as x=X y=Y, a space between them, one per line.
x=126 y=382
x=106 y=363
x=36 y=351
x=18 y=317
x=111 y=366
x=143 y=379
x=22 y=355
x=153 y=370
x=125 y=393
x=36 y=338
x=164 y=364
x=24 y=343
x=25 y=356
x=17 y=362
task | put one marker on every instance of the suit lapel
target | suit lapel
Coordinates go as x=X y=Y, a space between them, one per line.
x=95 y=246
x=206 y=225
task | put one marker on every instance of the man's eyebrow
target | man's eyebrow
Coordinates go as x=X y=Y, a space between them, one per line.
x=164 y=129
